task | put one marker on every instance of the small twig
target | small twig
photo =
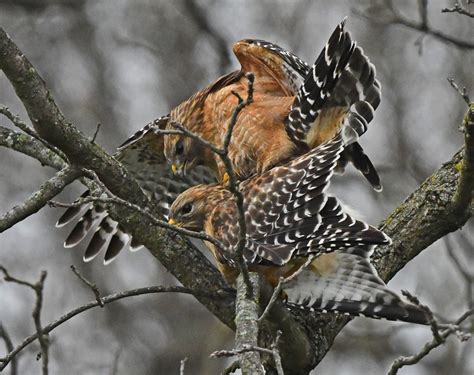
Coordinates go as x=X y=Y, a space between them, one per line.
x=233 y=185
x=247 y=308
x=462 y=92
x=106 y=300
x=397 y=18
x=42 y=337
x=196 y=137
x=96 y=132
x=458 y=8
x=431 y=319
x=254 y=348
x=277 y=291
x=41 y=334
x=423 y=10
x=429 y=346
x=182 y=365
x=16 y=120
x=244 y=349
x=40 y=198
x=9 y=345
x=275 y=296
x=276 y=353
x=92 y=286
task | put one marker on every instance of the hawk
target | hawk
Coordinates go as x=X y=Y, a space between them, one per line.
x=292 y=223
x=142 y=155
x=295 y=108
x=279 y=74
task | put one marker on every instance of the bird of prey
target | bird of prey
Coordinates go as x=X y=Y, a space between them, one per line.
x=292 y=225
x=295 y=108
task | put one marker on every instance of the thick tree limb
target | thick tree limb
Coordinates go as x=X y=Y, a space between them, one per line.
x=427 y=215
x=183 y=261
x=40 y=198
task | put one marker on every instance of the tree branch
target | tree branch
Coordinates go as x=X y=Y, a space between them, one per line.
x=39 y=199
x=29 y=146
x=458 y=8
x=185 y=262
x=246 y=321
x=422 y=26
x=9 y=345
x=105 y=300
x=429 y=346
x=424 y=217
x=40 y=333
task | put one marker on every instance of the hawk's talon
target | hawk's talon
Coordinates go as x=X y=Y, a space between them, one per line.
x=225 y=179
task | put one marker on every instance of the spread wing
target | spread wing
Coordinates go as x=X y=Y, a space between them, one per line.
x=288 y=213
x=345 y=282
x=142 y=154
x=340 y=84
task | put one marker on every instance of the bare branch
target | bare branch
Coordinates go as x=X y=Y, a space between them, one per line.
x=397 y=18
x=42 y=337
x=429 y=346
x=233 y=185
x=30 y=146
x=16 y=120
x=9 y=345
x=246 y=322
x=92 y=286
x=106 y=300
x=40 y=332
x=184 y=261
x=39 y=199
x=97 y=129
x=253 y=349
x=182 y=365
x=458 y=8
x=462 y=92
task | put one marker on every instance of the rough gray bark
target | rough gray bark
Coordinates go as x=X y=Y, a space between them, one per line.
x=246 y=320
x=428 y=214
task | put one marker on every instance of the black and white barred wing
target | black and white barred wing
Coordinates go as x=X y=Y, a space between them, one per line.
x=288 y=197
x=340 y=87
x=344 y=281
x=142 y=154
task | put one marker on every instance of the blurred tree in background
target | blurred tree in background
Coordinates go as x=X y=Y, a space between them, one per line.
x=125 y=63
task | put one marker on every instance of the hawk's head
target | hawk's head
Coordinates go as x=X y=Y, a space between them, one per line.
x=191 y=208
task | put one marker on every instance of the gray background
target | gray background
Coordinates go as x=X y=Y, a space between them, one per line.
x=125 y=63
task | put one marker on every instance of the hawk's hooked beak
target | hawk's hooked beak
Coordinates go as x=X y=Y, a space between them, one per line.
x=171 y=221
x=178 y=169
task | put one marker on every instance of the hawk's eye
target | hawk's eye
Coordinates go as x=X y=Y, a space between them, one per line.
x=179 y=147
x=187 y=208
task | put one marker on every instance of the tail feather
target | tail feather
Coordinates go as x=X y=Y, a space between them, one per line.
x=345 y=282
x=72 y=212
